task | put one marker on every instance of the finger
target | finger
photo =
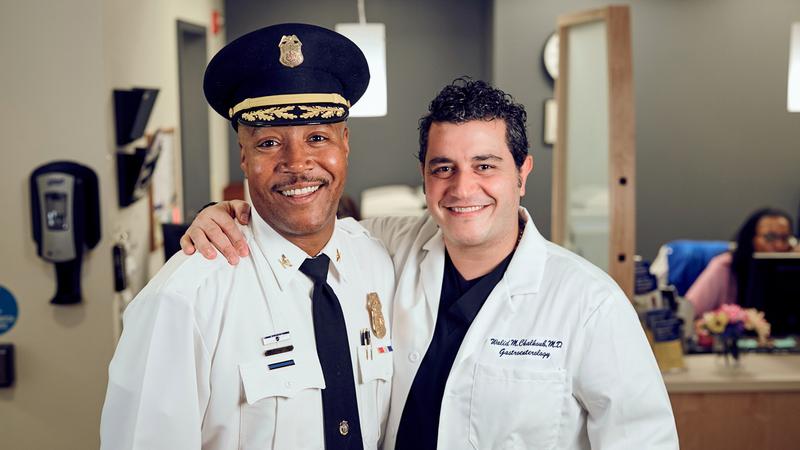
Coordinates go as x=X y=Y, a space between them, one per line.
x=242 y=248
x=234 y=236
x=186 y=245
x=222 y=242
x=229 y=227
x=242 y=210
x=198 y=236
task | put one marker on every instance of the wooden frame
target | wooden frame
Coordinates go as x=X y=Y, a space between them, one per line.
x=168 y=138
x=622 y=152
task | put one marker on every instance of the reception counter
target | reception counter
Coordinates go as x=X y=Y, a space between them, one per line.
x=752 y=405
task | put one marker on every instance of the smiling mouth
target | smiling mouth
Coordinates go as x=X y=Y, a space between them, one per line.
x=297 y=192
x=466 y=209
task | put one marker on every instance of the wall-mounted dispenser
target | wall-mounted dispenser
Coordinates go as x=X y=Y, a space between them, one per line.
x=7 y=371
x=65 y=211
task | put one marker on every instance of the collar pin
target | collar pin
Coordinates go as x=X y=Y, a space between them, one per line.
x=285 y=262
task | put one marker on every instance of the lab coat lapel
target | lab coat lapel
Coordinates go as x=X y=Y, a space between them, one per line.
x=432 y=268
x=525 y=272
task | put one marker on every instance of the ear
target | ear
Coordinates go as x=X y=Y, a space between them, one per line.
x=422 y=172
x=524 y=170
x=346 y=140
x=242 y=159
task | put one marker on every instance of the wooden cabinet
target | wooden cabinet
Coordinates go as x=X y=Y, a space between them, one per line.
x=753 y=406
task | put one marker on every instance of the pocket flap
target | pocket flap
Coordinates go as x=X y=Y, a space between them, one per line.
x=376 y=366
x=261 y=382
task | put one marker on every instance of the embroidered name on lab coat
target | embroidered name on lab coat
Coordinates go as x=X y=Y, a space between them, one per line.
x=540 y=348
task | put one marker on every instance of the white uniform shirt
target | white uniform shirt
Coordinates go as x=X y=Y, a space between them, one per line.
x=190 y=370
x=555 y=359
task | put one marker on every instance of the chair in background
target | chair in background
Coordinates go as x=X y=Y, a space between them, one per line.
x=680 y=262
x=392 y=200
x=172 y=233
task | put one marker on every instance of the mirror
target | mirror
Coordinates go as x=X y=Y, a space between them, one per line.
x=594 y=155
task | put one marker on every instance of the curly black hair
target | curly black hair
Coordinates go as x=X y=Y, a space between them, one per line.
x=743 y=254
x=464 y=100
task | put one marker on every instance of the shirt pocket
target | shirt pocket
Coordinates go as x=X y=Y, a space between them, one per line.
x=375 y=375
x=266 y=392
x=516 y=408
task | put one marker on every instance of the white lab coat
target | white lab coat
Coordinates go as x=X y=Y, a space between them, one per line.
x=190 y=371
x=555 y=359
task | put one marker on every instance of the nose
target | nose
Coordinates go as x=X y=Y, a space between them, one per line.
x=462 y=184
x=296 y=158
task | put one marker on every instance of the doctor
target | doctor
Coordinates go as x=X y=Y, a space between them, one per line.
x=502 y=339
x=288 y=349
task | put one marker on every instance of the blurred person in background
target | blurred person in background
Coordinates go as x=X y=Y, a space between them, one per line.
x=727 y=274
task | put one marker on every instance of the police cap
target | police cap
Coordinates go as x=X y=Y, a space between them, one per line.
x=286 y=74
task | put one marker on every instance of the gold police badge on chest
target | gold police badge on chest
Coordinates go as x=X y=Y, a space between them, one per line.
x=291 y=53
x=376 y=320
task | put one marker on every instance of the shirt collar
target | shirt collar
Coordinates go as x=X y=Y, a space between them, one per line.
x=284 y=258
x=524 y=273
x=335 y=250
x=466 y=307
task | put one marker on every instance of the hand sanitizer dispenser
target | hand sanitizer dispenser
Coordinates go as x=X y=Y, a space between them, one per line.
x=65 y=210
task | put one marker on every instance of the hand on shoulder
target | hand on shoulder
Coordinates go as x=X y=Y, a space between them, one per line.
x=214 y=229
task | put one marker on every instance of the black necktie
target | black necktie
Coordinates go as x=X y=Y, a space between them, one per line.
x=339 y=404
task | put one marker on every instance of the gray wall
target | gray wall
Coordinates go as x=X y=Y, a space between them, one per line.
x=714 y=140
x=428 y=45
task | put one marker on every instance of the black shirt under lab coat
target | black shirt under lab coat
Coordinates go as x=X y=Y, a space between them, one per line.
x=460 y=302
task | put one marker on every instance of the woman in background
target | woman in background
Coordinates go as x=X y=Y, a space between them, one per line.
x=766 y=230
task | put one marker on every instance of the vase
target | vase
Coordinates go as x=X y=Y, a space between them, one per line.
x=727 y=346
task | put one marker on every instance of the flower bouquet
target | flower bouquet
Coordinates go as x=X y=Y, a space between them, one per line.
x=728 y=323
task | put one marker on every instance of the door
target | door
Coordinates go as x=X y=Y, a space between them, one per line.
x=192 y=58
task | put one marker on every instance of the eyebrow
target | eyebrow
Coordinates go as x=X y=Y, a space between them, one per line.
x=255 y=131
x=440 y=160
x=479 y=158
x=487 y=157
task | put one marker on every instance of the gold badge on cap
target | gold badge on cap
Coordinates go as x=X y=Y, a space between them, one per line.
x=376 y=319
x=291 y=54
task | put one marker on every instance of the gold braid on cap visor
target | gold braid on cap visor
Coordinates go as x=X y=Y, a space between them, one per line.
x=290 y=102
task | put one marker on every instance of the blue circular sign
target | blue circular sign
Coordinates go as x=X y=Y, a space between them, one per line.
x=8 y=310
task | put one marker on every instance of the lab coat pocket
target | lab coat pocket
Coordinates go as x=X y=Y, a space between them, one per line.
x=373 y=365
x=265 y=393
x=516 y=407
x=375 y=374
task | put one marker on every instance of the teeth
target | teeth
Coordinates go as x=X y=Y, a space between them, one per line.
x=467 y=209
x=301 y=191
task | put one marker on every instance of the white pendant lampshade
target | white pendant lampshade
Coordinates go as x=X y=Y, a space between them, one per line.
x=793 y=91
x=371 y=39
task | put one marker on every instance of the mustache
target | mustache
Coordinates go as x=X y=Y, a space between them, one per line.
x=297 y=179
x=450 y=200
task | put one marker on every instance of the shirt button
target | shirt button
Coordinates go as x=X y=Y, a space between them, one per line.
x=413 y=357
x=288 y=384
x=344 y=428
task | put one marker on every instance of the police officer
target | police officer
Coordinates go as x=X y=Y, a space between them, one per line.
x=501 y=338
x=286 y=350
